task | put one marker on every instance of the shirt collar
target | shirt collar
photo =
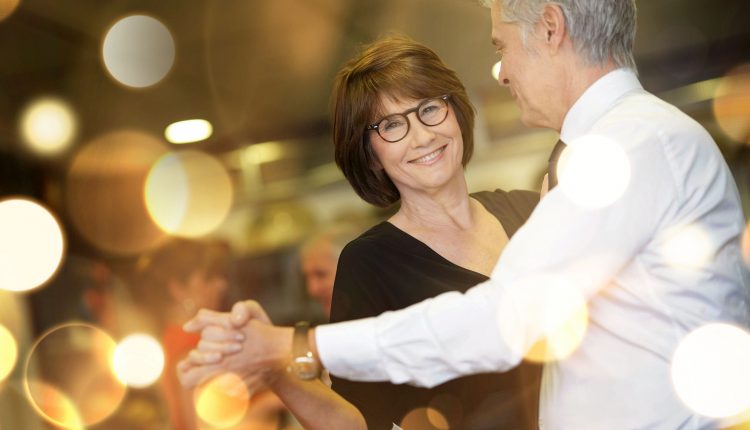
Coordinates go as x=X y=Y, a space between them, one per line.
x=596 y=101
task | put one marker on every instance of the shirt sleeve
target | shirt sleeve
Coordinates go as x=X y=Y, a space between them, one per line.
x=563 y=255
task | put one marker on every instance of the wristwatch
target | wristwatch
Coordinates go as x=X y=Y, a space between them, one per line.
x=304 y=365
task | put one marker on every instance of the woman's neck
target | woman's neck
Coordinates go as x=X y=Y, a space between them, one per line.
x=450 y=207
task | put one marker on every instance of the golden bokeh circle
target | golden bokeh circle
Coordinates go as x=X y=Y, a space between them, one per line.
x=68 y=377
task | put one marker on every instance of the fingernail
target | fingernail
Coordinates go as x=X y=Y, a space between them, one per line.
x=239 y=336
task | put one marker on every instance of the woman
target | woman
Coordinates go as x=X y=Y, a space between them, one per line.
x=402 y=129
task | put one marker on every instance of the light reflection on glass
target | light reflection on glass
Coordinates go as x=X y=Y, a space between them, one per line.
x=496 y=70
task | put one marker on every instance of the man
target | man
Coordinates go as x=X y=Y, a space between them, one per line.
x=569 y=66
x=319 y=256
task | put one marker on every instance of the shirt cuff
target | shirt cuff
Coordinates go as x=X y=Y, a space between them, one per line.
x=349 y=350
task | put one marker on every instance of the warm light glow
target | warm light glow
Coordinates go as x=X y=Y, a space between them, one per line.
x=731 y=105
x=496 y=70
x=593 y=171
x=688 y=246
x=188 y=193
x=192 y=130
x=138 y=51
x=7 y=7
x=746 y=246
x=138 y=360
x=105 y=196
x=552 y=319
x=424 y=419
x=260 y=153
x=223 y=401
x=8 y=352
x=32 y=245
x=68 y=376
x=54 y=406
x=710 y=370
x=48 y=126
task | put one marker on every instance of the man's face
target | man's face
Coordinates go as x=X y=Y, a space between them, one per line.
x=319 y=269
x=525 y=70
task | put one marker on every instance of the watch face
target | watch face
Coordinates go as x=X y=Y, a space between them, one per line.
x=305 y=368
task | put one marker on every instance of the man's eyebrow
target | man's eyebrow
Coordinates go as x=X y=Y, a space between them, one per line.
x=498 y=43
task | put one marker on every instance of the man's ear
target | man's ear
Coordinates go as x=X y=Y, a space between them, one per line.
x=554 y=25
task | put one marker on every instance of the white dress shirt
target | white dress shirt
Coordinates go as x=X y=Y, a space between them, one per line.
x=640 y=302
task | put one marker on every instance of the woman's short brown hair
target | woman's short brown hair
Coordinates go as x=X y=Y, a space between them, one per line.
x=395 y=67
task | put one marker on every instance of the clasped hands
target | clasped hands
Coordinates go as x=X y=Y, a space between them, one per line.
x=242 y=342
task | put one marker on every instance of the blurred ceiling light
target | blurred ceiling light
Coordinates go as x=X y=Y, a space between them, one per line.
x=594 y=171
x=8 y=352
x=32 y=245
x=7 y=7
x=260 y=153
x=710 y=370
x=496 y=70
x=138 y=360
x=223 y=401
x=48 y=126
x=138 y=51
x=188 y=193
x=731 y=104
x=188 y=131
x=688 y=246
x=68 y=376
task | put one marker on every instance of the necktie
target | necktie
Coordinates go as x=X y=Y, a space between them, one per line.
x=552 y=166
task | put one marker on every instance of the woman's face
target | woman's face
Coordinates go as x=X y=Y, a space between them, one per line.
x=427 y=159
x=207 y=290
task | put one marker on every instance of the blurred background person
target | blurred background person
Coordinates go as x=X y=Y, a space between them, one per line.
x=319 y=256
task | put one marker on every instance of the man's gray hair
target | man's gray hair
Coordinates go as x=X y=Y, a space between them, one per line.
x=601 y=30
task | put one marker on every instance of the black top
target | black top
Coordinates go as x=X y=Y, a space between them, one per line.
x=387 y=269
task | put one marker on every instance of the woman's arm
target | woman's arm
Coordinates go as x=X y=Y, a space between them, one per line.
x=316 y=405
x=313 y=403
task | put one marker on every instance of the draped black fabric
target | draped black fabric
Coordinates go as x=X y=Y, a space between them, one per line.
x=387 y=269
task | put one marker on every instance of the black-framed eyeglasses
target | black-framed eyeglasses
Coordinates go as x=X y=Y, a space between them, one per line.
x=395 y=127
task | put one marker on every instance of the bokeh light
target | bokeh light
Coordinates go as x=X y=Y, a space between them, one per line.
x=496 y=70
x=731 y=104
x=188 y=131
x=223 y=401
x=710 y=370
x=138 y=51
x=8 y=352
x=424 y=419
x=449 y=405
x=48 y=126
x=68 y=376
x=105 y=198
x=552 y=318
x=188 y=193
x=138 y=360
x=688 y=246
x=32 y=245
x=7 y=7
x=593 y=171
